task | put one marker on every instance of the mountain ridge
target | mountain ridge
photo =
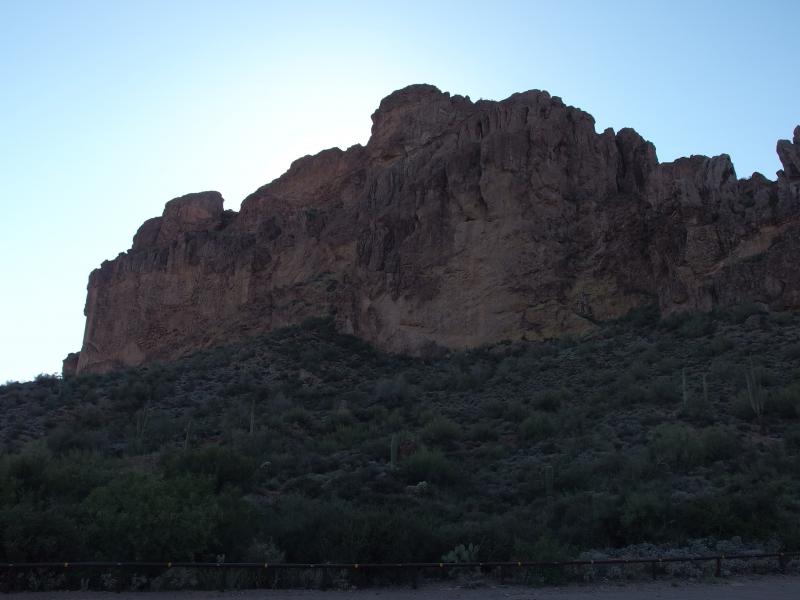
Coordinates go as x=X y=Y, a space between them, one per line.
x=458 y=224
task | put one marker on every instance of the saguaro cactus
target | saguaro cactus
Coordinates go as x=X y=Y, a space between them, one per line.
x=755 y=394
x=393 y=449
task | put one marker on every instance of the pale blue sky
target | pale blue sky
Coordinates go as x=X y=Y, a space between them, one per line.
x=109 y=109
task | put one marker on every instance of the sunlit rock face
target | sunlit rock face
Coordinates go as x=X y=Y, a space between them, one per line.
x=460 y=223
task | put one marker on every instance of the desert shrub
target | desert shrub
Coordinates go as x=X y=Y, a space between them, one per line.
x=64 y=439
x=643 y=316
x=639 y=371
x=537 y=427
x=668 y=365
x=545 y=547
x=698 y=409
x=223 y=466
x=130 y=394
x=264 y=551
x=719 y=443
x=677 y=446
x=576 y=475
x=30 y=532
x=631 y=393
x=742 y=408
x=144 y=517
x=792 y=351
x=315 y=530
x=494 y=408
x=347 y=436
x=27 y=470
x=427 y=465
x=72 y=477
x=719 y=345
x=690 y=325
x=90 y=417
x=392 y=392
x=550 y=400
x=740 y=313
x=791 y=439
x=298 y=416
x=482 y=432
x=234 y=523
x=663 y=391
x=645 y=515
x=514 y=411
x=650 y=354
x=784 y=402
x=241 y=386
x=462 y=554
x=441 y=430
x=573 y=420
x=696 y=325
x=480 y=373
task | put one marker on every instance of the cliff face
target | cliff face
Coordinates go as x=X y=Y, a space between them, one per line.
x=458 y=224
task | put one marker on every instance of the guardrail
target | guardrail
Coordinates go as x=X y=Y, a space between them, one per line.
x=397 y=572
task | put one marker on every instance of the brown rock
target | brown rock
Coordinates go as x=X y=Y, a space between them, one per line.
x=70 y=364
x=458 y=224
x=789 y=155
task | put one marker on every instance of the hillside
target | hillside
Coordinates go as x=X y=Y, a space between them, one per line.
x=307 y=444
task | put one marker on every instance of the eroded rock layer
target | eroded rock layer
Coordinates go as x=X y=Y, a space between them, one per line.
x=460 y=223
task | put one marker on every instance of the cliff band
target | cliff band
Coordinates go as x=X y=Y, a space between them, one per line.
x=459 y=223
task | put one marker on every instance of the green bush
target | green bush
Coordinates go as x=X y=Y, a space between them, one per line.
x=514 y=411
x=65 y=439
x=550 y=400
x=223 y=466
x=298 y=416
x=697 y=325
x=462 y=554
x=392 y=392
x=720 y=443
x=427 y=465
x=146 y=518
x=537 y=427
x=482 y=432
x=784 y=402
x=441 y=431
x=646 y=515
x=31 y=533
x=689 y=325
x=663 y=391
x=791 y=440
x=739 y=314
x=677 y=446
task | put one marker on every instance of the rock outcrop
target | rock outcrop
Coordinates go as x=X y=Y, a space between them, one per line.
x=459 y=223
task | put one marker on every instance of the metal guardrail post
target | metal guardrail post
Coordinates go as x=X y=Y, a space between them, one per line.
x=9 y=587
x=221 y=578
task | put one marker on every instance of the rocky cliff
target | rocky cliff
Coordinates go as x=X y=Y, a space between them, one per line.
x=458 y=224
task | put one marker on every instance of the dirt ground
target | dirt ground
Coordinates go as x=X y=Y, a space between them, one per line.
x=762 y=588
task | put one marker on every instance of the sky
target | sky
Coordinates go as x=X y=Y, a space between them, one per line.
x=110 y=109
